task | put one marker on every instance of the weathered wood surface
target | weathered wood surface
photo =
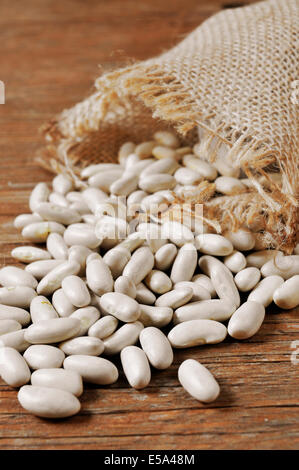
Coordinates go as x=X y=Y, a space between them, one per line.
x=49 y=55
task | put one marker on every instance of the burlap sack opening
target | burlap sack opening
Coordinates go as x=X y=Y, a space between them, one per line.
x=230 y=84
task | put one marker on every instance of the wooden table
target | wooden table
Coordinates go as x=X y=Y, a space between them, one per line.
x=49 y=53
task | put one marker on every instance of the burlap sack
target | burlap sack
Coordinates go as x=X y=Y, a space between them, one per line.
x=233 y=85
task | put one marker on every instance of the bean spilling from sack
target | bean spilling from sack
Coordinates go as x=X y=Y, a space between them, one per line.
x=114 y=270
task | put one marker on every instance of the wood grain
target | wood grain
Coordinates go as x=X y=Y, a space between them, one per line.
x=50 y=54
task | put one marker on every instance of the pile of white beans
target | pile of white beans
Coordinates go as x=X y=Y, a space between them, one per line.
x=129 y=283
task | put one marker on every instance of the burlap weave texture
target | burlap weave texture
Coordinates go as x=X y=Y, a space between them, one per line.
x=231 y=83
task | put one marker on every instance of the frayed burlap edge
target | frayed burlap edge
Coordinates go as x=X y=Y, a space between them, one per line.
x=170 y=104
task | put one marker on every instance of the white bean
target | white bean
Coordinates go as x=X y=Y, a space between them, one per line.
x=199 y=292
x=93 y=256
x=158 y=282
x=11 y=276
x=242 y=239
x=113 y=207
x=58 y=199
x=40 y=193
x=157 y=347
x=247 y=279
x=116 y=259
x=135 y=167
x=92 y=369
x=287 y=295
x=144 y=150
x=198 y=381
x=135 y=198
x=144 y=295
x=8 y=325
x=225 y=168
x=43 y=356
x=264 y=290
x=124 y=285
x=103 y=327
x=157 y=182
x=121 y=306
x=52 y=281
x=186 y=177
x=62 y=184
x=40 y=269
x=81 y=234
x=25 y=219
x=38 y=232
x=76 y=291
x=62 y=379
x=48 y=402
x=81 y=207
x=140 y=264
x=79 y=254
x=20 y=315
x=104 y=179
x=155 y=203
x=174 y=298
x=28 y=254
x=136 y=367
x=165 y=256
x=57 y=246
x=55 y=213
x=221 y=277
x=131 y=161
x=259 y=258
x=166 y=165
x=152 y=234
x=93 y=198
x=15 y=340
x=155 y=316
x=111 y=230
x=235 y=262
x=205 y=282
x=196 y=332
x=246 y=320
x=18 y=296
x=41 y=309
x=184 y=264
x=204 y=168
x=52 y=331
x=88 y=345
x=229 y=185
x=183 y=151
x=284 y=266
x=213 y=309
x=99 y=277
x=177 y=233
x=98 y=168
x=87 y=317
x=126 y=335
x=13 y=368
x=124 y=185
x=167 y=139
x=213 y=244
x=160 y=151
x=125 y=150
x=62 y=304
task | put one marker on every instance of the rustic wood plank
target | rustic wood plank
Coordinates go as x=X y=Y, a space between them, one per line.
x=50 y=54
